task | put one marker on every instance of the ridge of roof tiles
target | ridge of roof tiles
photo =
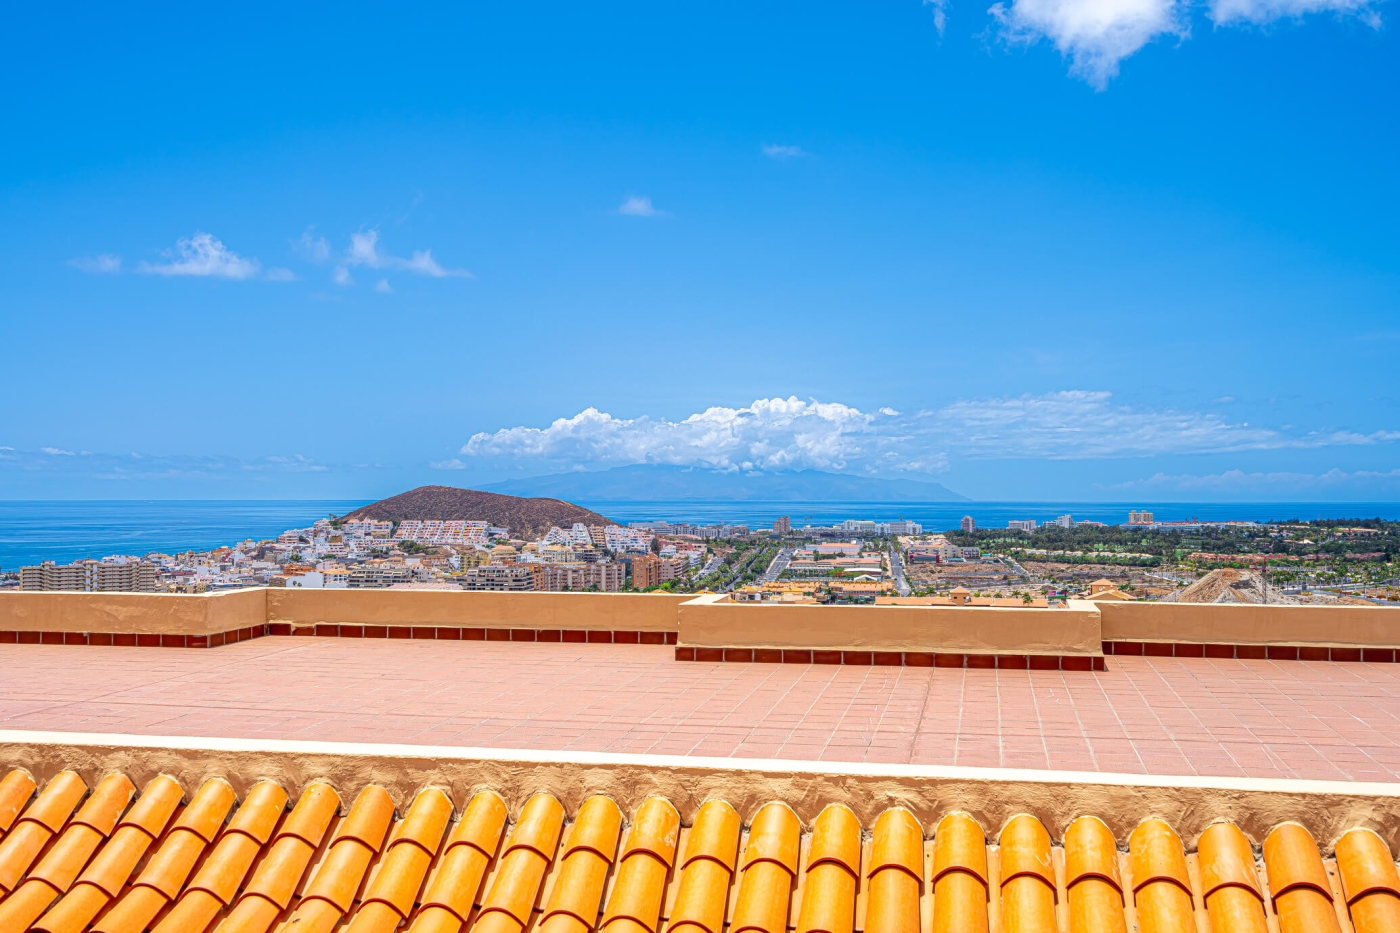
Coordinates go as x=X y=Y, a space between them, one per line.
x=109 y=859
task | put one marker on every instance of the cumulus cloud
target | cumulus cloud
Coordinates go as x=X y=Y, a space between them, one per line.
x=203 y=255
x=639 y=207
x=783 y=152
x=101 y=264
x=770 y=434
x=790 y=434
x=1095 y=35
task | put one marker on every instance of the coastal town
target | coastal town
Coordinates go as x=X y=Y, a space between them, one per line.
x=855 y=561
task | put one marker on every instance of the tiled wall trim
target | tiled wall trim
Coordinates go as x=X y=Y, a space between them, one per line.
x=1020 y=662
x=1158 y=649
x=130 y=640
x=440 y=633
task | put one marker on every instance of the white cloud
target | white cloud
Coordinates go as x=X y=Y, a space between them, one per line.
x=453 y=464
x=203 y=255
x=341 y=276
x=279 y=274
x=383 y=286
x=1228 y=12
x=940 y=13
x=364 y=251
x=770 y=434
x=313 y=247
x=639 y=207
x=57 y=452
x=1272 y=485
x=1095 y=35
x=785 y=434
x=783 y=152
x=101 y=264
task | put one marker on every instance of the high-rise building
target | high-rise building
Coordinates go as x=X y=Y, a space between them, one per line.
x=783 y=525
x=646 y=571
x=968 y=524
x=1027 y=525
x=1065 y=521
x=1139 y=518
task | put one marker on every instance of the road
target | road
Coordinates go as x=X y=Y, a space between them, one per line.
x=711 y=566
x=776 y=568
x=901 y=585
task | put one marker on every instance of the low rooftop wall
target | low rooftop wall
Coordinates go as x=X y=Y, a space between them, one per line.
x=1083 y=629
x=133 y=613
x=1233 y=624
x=716 y=622
x=636 y=612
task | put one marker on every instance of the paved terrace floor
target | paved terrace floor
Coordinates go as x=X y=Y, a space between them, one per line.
x=1145 y=716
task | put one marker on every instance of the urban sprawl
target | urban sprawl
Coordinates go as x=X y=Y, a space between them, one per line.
x=856 y=561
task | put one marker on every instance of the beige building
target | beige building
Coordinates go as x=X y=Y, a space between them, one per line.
x=90 y=576
x=510 y=578
x=577 y=577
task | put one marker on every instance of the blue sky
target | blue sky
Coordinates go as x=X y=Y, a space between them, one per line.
x=1139 y=250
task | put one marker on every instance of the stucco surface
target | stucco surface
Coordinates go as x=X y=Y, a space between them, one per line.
x=1327 y=809
x=1075 y=630
x=578 y=611
x=1343 y=626
x=136 y=613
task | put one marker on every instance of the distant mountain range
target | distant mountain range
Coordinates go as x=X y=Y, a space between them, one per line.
x=649 y=482
x=528 y=518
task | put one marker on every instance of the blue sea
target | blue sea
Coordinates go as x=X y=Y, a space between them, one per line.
x=62 y=531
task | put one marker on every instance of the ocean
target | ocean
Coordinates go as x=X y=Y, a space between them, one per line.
x=31 y=531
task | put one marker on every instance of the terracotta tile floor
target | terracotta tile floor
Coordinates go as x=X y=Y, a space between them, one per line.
x=1156 y=716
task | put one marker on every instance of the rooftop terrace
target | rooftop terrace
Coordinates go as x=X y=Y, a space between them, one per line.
x=1159 y=716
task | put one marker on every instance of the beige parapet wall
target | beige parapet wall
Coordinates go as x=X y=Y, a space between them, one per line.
x=133 y=613
x=991 y=795
x=1191 y=623
x=635 y=612
x=715 y=621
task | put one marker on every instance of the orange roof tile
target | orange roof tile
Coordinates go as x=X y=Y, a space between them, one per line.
x=311 y=870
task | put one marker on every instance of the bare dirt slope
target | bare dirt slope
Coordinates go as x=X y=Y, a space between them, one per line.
x=527 y=518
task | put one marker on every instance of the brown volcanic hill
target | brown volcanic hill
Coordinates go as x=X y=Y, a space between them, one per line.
x=528 y=518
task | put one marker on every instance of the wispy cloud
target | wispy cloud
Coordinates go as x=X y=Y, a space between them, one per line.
x=940 y=13
x=313 y=247
x=785 y=434
x=101 y=264
x=1229 y=12
x=365 y=251
x=383 y=286
x=138 y=466
x=280 y=274
x=782 y=153
x=1241 y=484
x=203 y=255
x=1097 y=35
x=636 y=206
